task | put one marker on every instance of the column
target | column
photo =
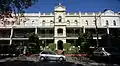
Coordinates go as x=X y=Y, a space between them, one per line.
x=56 y=46
x=108 y=37
x=11 y=34
x=36 y=30
x=74 y=35
x=108 y=30
x=83 y=29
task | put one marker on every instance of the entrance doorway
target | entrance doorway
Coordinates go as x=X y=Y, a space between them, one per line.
x=60 y=45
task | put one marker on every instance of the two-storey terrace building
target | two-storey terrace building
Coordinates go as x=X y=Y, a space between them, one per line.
x=58 y=26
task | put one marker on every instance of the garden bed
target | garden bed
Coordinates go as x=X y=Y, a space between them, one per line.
x=74 y=55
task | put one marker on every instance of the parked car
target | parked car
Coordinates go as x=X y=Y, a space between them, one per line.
x=106 y=52
x=50 y=55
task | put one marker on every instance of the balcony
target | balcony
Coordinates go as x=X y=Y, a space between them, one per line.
x=19 y=35
x=72 y=35
x=99 y=35
x=4 y=36
x=45 y=35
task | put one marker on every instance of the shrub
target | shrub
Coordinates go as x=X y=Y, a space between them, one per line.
x=72 y=51
x=52 y=46
x=66 y=46
x=85 y=46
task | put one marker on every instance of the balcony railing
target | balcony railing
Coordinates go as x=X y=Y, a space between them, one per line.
x=72 y=35
x=45 y=35
x=76 y=35
x=99 y=35
x=19 y=35
x=4 y=36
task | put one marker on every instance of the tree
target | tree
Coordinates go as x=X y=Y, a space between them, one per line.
x=16 y=6
x=84 y=37
x=7 y=7
x=34 y=43
x=84 y=41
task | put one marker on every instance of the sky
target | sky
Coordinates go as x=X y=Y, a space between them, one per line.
x=45 y=6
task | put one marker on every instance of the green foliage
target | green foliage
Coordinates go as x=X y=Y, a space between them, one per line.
x=85 y=46
x=33 y=43
x=66 y=46
x=33 y=38
x=52 y=46
x=72 y=51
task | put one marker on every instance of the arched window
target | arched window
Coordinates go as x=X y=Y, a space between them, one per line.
x=86 y=22
x=59 y=31
x=76 y=21
x=51 y=21
x=107 y=22
x=60 y=19
x=68 y=21
x=32 y=21
x=114 y=22
x=43 y=22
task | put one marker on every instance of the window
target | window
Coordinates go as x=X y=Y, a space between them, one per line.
x=44 y=53
x=76 y=21
x=60 y=19
x=114 y=22
x=107 y=22
x=24 y=21
x=60 y=30
x=68 y=21
x=86 y=22
x=43 y=21
x=52 y=53
x=32 y=21
x=51 y=21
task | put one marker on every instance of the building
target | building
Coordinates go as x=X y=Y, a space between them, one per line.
x=58 y=27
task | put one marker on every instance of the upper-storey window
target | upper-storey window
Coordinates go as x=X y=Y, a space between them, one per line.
x=24 y=21
x=114 y=22
x=32 y=21
x=43 y=21
x=68 y=21
x=76 y=21
x=107 y=22
x=60 y=19
x=86 y=22
x=51 y=21
x=59 y=31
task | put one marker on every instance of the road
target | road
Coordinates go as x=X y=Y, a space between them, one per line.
x=71 y=61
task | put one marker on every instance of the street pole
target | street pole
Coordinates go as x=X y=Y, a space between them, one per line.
x=96 y=31
x=45 y=37
x=97 y=26
x=74 y=36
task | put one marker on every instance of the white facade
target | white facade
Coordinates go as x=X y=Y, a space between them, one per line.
x=59 y=19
